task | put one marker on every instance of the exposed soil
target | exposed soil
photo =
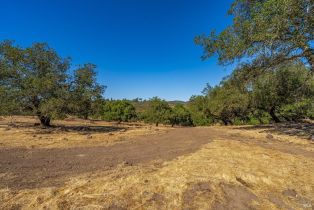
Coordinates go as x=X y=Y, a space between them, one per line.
x=180 y=168
x=32 y=168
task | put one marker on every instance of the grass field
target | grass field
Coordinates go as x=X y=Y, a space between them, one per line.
x=80 y=164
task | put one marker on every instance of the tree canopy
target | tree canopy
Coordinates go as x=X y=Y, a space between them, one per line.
x=85 y=91
x=119 y=110
x=265 y=33
x=37 y=79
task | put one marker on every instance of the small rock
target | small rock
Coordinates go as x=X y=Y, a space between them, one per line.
x=269 y=136
x=65 y=139
x=89 y=136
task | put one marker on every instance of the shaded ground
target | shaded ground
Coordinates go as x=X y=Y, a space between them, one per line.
x=305 y=130
x=69 y=133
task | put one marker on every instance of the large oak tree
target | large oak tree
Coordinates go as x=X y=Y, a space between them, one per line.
x=265 y=33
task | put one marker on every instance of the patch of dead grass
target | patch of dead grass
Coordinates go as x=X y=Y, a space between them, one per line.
x=222 y=175
x=69 y=133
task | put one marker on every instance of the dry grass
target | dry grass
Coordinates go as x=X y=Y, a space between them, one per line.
x=223 y=174
x=69 y=133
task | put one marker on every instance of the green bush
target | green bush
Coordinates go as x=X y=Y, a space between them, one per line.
x=119 y=110
x=158 y=111
x=181 y=116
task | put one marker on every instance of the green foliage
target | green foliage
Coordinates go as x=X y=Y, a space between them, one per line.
x=119 y=110
x=287 y=86
x=85 y=92
x=286 y=93
x=180 y=115
x=228 y=104
x=298 y=110
x=158 y=111
x=198 y=107
x=268 y=32
x=35 y=79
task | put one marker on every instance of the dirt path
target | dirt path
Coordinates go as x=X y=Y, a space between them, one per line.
x=32 y=168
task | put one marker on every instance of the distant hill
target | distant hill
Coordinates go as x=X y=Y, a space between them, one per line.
x=176 y=102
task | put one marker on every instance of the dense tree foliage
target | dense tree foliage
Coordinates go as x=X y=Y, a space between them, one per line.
x=265 y=33
x=198 y=107
x=158 y=111
x=227 y=103
x=36 y=79
x=85 y=91
x=284 y=94
x=180 y=115
x=119 y=110
x=285 y=88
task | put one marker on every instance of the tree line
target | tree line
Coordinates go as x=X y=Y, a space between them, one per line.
x=270 y=41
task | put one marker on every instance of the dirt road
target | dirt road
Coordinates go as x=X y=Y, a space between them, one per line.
x=32 y=168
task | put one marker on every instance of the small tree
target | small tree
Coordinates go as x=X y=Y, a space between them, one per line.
x=198 y=107
x=85 y=91
x=180 y=116
x=226 y=103
x=119 y=110
x=158 y=111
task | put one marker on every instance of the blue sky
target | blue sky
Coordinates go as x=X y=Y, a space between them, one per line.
x=142 y=48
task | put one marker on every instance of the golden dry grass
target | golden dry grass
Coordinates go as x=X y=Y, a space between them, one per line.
x=223 y=174
x=69 y=133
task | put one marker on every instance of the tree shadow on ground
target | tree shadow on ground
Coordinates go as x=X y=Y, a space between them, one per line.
x=87 y=128
x=299 y=129
x=67 y=128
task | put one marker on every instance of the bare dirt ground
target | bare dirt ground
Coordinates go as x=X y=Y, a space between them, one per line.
x=98 y=165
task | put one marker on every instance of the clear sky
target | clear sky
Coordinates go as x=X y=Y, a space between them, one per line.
x=142 y=48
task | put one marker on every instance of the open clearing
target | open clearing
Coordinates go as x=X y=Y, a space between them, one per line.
x=97 y=165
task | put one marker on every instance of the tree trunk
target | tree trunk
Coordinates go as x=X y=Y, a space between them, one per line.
x=157 y=124
x=273 y=115
x=44 y=120
x=225 y=122
x=309 y=54
x=287 y=118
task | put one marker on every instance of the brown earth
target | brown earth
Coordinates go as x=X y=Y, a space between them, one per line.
x=183 y=168
x=31 y=168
